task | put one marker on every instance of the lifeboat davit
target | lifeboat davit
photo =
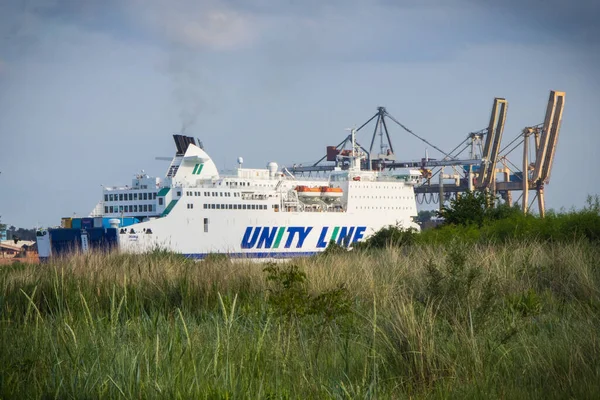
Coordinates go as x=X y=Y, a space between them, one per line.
x=331 y=192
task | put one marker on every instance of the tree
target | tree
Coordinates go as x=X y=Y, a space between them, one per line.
x=474 y=208
x=425 y=215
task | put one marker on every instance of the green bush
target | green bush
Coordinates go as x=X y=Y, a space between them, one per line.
x=393 y=235
x=468 y=220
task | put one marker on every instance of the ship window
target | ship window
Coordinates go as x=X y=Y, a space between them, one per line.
x=110 y=197
x=154 y=196
x=135 y=208
x=221 y=194
x=160 y=201
x=135 y=196
x=145 y=196
x=120 y=196
x=120 y=208
x=130 y=208
x=205 y=224
x=205 y=206
x=218 y=206
x=105 y=197
x=231 y=207
x=145 y=208
x=243 y=207
x=253 y=206
x=179 y=193
x=212 y=206
x=105 y=209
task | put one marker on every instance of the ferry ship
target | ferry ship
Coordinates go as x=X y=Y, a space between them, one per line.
x=255 y=213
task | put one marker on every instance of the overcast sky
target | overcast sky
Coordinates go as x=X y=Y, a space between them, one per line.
x=91 y=91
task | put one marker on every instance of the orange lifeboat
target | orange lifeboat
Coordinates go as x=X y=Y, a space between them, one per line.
x=305 y=191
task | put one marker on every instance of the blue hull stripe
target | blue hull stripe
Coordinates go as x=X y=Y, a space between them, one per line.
x=270 y=254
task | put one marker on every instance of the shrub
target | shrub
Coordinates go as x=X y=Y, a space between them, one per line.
x=393 y=235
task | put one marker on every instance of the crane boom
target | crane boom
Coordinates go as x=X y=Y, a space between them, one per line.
x=492 y=143
x=549 y=138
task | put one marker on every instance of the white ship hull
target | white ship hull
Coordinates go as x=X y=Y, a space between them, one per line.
x=253 y=234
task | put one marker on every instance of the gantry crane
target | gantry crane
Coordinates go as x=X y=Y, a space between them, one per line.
x=536 y=174
x=479 y=171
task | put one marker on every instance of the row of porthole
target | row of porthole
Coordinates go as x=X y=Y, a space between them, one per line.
x=129 y=208
x=214 y=194
x=235 y=206
x=379 y=187
x=129 y=196
x=382 y=208
x=383 y=197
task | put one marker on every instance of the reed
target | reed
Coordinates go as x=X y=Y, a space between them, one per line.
x=455 y=320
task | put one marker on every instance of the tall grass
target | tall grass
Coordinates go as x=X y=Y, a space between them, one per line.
x=457 y=320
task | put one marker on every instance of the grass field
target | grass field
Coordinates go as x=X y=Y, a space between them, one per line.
x=448 y=321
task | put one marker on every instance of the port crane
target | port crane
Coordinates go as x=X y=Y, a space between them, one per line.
x=479 y=171
x=535 y=174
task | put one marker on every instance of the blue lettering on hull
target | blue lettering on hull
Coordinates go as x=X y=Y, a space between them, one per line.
x=260 y=237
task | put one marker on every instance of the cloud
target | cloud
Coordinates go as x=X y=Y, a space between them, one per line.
x=210 y=25
x=325 y=30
